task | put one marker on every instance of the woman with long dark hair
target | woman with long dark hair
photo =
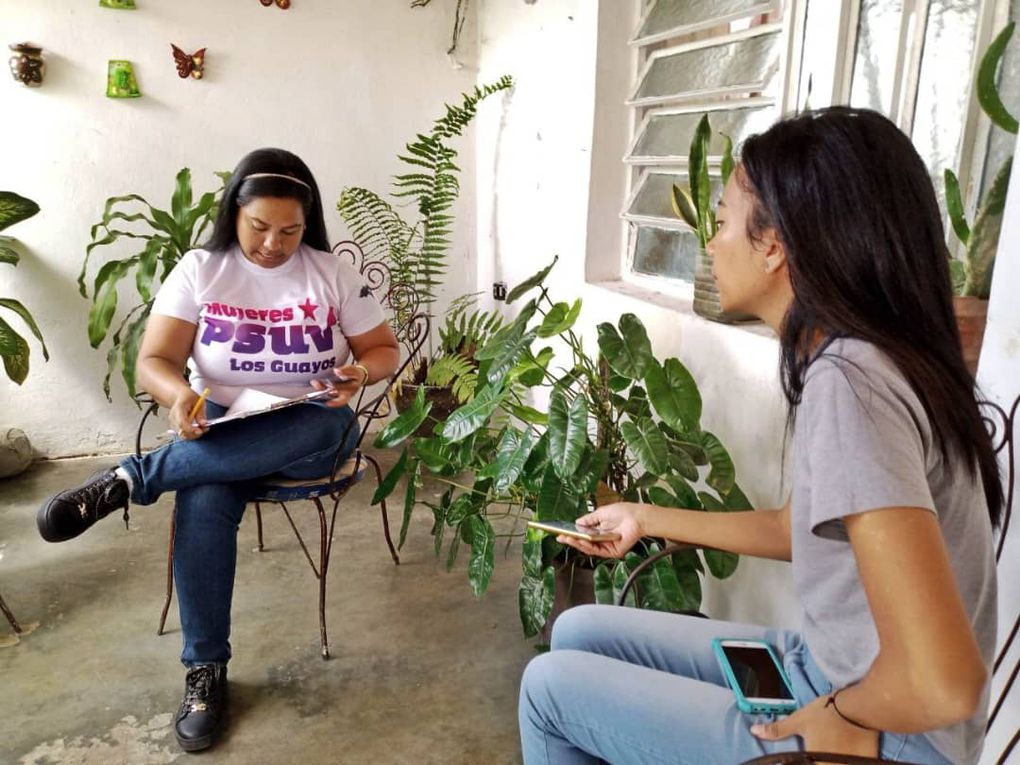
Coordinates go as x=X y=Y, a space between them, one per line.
x=830 y=232
x=263 y=307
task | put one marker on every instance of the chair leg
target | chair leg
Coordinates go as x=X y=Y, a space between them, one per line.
x=385 y=515
x=10 y=617
x=169 y=571
x=324 y=550
x=258 y=520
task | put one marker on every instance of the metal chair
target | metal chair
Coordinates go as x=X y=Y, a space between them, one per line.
x=411 y=328
x=1001 y=427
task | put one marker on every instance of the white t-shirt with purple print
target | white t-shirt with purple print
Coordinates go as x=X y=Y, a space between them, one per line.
x=272 y=329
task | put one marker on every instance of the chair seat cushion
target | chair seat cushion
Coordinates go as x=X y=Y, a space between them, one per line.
x=282 y=489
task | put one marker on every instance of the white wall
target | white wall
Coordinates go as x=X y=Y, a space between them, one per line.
x=561 y=133
x=342 y=84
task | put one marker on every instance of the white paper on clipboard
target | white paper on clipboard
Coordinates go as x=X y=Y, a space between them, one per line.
x=251 y=402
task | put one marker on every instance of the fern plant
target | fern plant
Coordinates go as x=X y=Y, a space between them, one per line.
x=462 y=334
x=416 y=248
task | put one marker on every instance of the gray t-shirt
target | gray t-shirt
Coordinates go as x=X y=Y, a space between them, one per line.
x=862 y=442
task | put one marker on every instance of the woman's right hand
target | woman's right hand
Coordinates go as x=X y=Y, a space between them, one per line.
x=623 y=518
x=180 y=420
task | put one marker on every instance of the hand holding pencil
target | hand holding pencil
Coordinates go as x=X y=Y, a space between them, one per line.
x=187 y=415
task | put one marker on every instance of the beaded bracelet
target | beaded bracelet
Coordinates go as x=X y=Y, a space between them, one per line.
x=831 y=702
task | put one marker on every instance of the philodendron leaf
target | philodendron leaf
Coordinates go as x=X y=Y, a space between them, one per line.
x=648 y=444
x=660 y=590
x=389 y=483
x=513 y=451
x=531 y=282
x=15 y=208
x=558 y=499
x=688 y=568
x=409 y=498
x=723 y=473
x=15 y=353
x=620 y=575
x=954 y=205
x=483 y=556
x=473 y=415
x=560 y=318
x=568 y=432
x=535 y=596
x=405 y=424
x=721 y=564
x=674 y=394
x=629 y=354
x=987 y=92
x=604 y=583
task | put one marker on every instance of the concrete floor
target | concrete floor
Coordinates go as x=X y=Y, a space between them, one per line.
x=422 y=672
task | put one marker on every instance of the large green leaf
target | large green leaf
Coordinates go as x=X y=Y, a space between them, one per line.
x=389 y=483
x=723 y=473
x=105 y=302
x=531 y=282
x=180 y=202
x=147 y=260
x=984 y=236
x=558 y=499
x=7 y=253
x=19 y=309
x=535 y=596
x=674 y=394
x=954 y=206
x=568 y=432
x=404 y=425
x=685 y=496
x=473 y=415
x=511 y=455
x=630 y=354
x=648 y=444
x=129 y=348
x=604 y=583
x=727 y=165
x=721 y=564
x=560 y=318
x=508 y=357
x=697 y=170
x=409 y=498
x=688 y=568
x=483 y=555
x=15 y=353
x=987 y=92
x=660 y=587
x=621 y=572
x=683 y=206
x=15 y=208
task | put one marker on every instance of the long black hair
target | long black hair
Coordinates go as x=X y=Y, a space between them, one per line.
x=854 y=207
x=242 y=189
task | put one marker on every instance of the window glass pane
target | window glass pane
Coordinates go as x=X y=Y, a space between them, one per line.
x=878 y=37
x=1002 y=144
x=670 y=134
x=748 y=65
x=665 y=252
x=670 y=14
x=654 y=198
x=943 y=89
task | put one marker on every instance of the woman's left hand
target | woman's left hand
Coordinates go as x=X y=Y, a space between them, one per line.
x=350 y=379
x=822 y=730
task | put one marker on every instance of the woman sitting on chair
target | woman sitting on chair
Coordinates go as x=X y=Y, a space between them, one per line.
x=829 y=231
x=264 y=306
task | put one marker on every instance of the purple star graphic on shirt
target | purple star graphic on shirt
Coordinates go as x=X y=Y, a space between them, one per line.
x=309 y=308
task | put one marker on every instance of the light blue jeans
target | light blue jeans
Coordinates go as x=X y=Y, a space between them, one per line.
x=624 y=685
x=215 y=476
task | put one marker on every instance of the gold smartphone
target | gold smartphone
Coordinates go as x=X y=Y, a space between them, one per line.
x=573 y=530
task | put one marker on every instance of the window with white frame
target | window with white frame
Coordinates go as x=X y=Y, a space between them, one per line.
x=746 y=62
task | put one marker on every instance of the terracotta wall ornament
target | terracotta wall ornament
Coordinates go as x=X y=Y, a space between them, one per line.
x=192 y=65
x=120 y=5
x=284 y=4
x=27 y=64
x=120 y=80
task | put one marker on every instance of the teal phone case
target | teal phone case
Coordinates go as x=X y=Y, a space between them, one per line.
x=757 y=707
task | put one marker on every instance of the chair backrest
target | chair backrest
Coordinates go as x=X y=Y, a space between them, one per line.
x=1002 y=427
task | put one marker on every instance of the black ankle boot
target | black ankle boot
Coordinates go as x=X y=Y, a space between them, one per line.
x=201 y=714
x=69 y=513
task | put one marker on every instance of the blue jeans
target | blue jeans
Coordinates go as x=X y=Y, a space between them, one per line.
x=623 y=685
x=214 y=477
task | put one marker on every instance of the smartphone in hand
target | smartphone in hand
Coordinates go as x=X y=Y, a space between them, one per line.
x=755 y=676
x=589 y=533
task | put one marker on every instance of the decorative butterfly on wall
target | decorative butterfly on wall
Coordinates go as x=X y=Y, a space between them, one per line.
x=193 y=65
x=285 y=4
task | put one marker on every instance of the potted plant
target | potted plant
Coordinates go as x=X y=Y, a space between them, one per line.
x=620 y=424
x=164 y=238
x=416 y=248
x=697 y=209
x=13 y=347
x=972 y=273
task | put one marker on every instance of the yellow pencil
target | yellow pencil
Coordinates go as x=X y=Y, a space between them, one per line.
x=198 y=405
